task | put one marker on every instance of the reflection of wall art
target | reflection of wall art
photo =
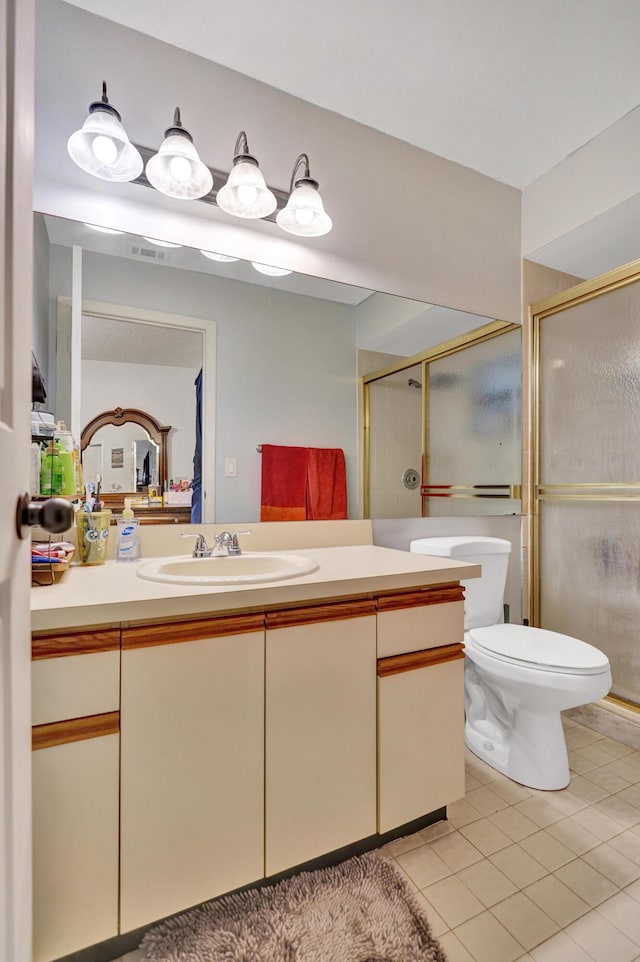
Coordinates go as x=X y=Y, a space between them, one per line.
x=117 y=457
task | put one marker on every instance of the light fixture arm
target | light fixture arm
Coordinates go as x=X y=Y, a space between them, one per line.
x=104 y=105
x=303 y=160
x=177 y=128
x=241 y=153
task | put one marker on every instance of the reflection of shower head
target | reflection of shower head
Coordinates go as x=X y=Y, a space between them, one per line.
x=413 y=383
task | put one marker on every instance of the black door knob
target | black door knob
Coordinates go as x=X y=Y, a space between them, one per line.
x=54 y=515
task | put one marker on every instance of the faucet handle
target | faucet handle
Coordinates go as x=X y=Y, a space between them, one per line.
x=200 y=546
x=235 y=544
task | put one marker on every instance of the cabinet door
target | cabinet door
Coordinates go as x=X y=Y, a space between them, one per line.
x=192 y=768
x=320 y=731
x=75 y=835
x=420 y=734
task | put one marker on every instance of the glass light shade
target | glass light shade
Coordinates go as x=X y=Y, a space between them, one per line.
x=101 y=147
x=271 y=271
x=245 y=193
x=223 y=258
x=104 y=230
x=160 y=243
x=304 y=214
x=177 y=171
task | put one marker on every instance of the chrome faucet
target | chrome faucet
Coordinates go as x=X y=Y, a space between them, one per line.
x=227 y=543
x=224 y=544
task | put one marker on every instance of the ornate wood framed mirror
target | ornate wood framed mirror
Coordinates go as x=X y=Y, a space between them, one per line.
x=128 y=448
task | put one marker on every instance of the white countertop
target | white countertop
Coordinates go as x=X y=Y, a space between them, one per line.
x=110 y=593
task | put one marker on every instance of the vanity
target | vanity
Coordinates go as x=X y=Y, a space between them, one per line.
x=191 y=740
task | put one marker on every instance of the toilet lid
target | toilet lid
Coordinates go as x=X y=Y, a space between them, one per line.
x=540 y=648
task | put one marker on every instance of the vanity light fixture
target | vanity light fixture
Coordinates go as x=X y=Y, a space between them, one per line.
x=101 y=147
x=176 y=170
x=304 y=214
x=271 y=271
x=245 y=193
x=223 y=258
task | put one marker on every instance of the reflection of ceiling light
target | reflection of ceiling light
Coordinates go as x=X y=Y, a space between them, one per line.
x=304 y=214
x=176 y=170
x=223 y=258
x=159 y=243
x=271 y=271
x=104 y=230
x=245 y=193
x=101 y=147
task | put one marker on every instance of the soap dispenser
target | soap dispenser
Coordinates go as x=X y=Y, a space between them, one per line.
x=128 y=547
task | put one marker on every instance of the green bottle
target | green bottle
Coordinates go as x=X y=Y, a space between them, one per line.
x=50 y=471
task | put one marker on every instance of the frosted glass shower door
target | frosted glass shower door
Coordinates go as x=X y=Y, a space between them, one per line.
x=587 y=477
x=395 y=444
x=473 y=453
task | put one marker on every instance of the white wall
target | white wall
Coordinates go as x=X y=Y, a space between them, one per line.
x=405 y=221
x=593 y=180
x=166 y=393
x=286 y=364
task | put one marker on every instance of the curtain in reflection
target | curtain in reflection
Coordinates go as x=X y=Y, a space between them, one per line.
x=196 y=495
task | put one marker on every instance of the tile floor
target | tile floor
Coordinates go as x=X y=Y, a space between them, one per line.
x=518 y=875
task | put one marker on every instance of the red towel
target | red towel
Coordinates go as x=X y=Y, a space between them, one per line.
x=326 y=484
x=300 y=484
x=284 y=483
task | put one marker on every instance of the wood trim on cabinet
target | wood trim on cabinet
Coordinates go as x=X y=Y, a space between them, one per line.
x=63 y=643
x=170 y=633
x=290 y=617
x=443 y=594
x=74 y=730
x=396 y=664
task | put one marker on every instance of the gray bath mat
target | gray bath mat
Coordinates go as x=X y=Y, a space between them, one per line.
x=359 y=911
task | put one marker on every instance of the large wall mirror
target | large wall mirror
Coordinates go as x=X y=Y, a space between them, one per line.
x=282 y=360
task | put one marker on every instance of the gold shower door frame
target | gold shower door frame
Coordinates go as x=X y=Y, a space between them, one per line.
x=424 y=358
x=534 y=491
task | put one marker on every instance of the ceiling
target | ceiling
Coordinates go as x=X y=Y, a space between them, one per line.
x=506 y=88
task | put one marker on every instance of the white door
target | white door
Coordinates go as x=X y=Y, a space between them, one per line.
x=16 y=149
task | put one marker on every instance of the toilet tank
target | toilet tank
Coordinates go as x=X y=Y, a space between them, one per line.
x=484 y=596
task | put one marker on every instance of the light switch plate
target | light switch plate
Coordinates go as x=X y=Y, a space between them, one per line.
x=230 y=468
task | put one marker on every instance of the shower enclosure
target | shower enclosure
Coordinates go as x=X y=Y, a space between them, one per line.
x=585 y=478
x=442 y=429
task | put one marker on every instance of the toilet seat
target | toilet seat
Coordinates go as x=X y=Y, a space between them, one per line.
x=539 y=648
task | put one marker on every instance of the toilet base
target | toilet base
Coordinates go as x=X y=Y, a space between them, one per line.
x=534 y=753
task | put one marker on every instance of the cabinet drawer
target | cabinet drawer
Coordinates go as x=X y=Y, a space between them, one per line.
x=422 y=622
x=73 y=680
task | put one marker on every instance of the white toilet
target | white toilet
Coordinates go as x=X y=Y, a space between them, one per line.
x=517 y=679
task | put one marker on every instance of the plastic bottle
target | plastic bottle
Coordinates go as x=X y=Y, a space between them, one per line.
x=34 y=483
x=65 y=444
x=128 y=546
x=50 y=470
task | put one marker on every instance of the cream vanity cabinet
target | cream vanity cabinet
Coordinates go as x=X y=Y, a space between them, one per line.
x=75 y=687
x=320 y=739
x=192 y=774
x=175 y=762
x=420 y=703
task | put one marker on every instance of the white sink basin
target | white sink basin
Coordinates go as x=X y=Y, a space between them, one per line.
x=247 y=568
